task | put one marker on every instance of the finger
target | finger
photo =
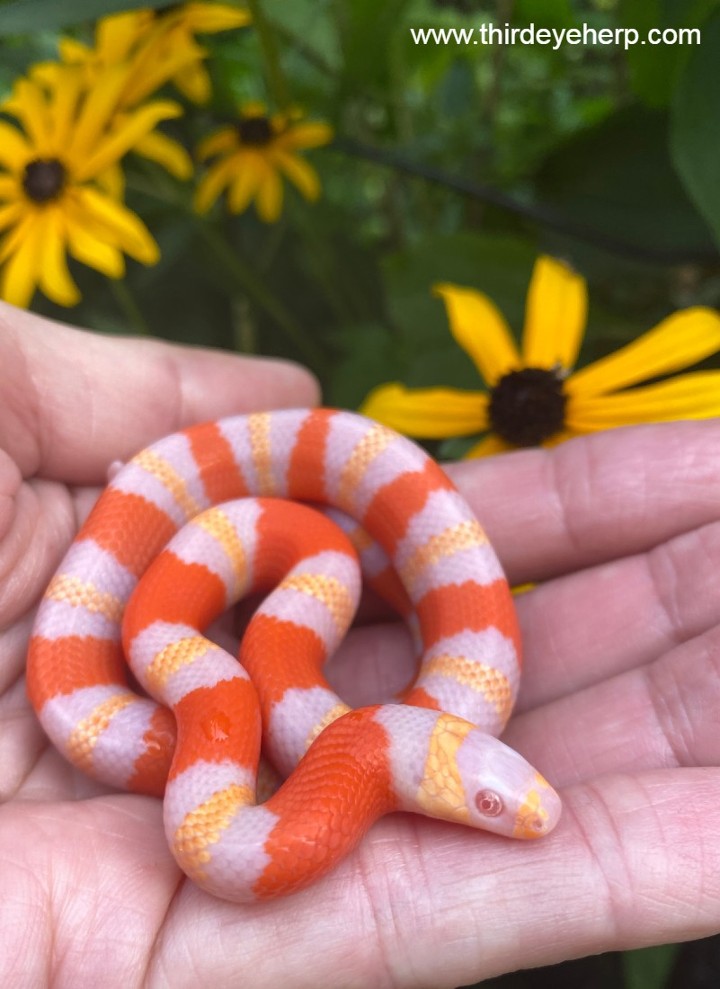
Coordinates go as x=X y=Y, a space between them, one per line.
x=577 y=630
x=20 y=734
x=634 y=862
x=660 y=715
x=581 y=629
x=37 y=523
x=29 y=767
x=595 y=498
x=106 y=861
x=373 y=664
x=71 y=402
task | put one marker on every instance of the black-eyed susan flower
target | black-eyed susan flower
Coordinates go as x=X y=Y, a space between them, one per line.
x=158 y=47
x=253 y=154
x=533 y=396
x=184 y=20
x=163 y=42
x=59 y=182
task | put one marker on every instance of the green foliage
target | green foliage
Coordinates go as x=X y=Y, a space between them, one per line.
x=549 y=13
x=617 y=180
x=453 y=162
x=649 y=968
x=654 y=69
x=695 y=130
x=28 y=16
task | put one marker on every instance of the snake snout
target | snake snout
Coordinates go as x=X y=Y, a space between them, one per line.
x=538 y=811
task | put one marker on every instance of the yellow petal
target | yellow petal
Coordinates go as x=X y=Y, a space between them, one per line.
x=134 y=126
x=242 y=189
x=28 y=104
x=96 y=114
x=10 y=214
x=690 y=396
x=194 y=83
x=165 y=151
x=489 y=446
x=555 y=315
x=117 y=33
x=15 y=152
x=66 y=93
x=73 y=52
x=683 y=339
x=20 y=274
x=121 y=226
x=217 y=143
x=269 y=196
x=158 y=62
x=481 y=330
x=428 y=413
x=112 y=181
x=24 y=222
x=206 y=18
x=87 y=247
x=300 y=173
x=9 y=188
x=218 y=176
x=54 y=277
x=308 y=135
x=46 y=73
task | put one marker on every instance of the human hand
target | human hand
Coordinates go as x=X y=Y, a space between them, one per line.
x=619 y=693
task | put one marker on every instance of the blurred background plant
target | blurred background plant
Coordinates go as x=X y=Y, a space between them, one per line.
x=301 y=174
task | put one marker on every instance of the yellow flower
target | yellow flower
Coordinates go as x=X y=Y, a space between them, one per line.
x=161 y=43
x=253 y=154
x=186 y=19
x=534 y=398
x=59 y=181
x=160 y=47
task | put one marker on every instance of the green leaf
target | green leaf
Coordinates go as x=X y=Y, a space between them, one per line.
x=616 y=182
x=305 y=29
x=368 y=31
x=654 y=69
x=649 y=968
x=368 y=359
x=695 y=135
x=544 y=13
x=28 y=16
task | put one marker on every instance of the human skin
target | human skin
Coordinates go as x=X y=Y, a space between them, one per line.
x=618 y=708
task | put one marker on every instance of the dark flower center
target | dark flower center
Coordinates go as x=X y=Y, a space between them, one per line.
x=257 y=130
x=528 y=406
x=44 y=179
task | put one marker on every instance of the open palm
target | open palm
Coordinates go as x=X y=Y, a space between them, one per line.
x=618 y=707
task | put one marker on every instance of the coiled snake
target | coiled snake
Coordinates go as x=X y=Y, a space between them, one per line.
x=198 y=741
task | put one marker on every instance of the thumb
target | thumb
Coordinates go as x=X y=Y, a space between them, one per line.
x=72 y=401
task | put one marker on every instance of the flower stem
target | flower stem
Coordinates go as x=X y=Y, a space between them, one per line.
x=266 y=35
x=243 y=329
x=259 y=293
x=536 y=212
x=305 y=51
x=129 y=307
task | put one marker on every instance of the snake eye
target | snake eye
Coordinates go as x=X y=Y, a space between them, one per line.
x=489 y=803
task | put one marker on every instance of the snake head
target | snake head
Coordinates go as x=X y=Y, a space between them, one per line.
x=473 y=778
x=504 y=793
